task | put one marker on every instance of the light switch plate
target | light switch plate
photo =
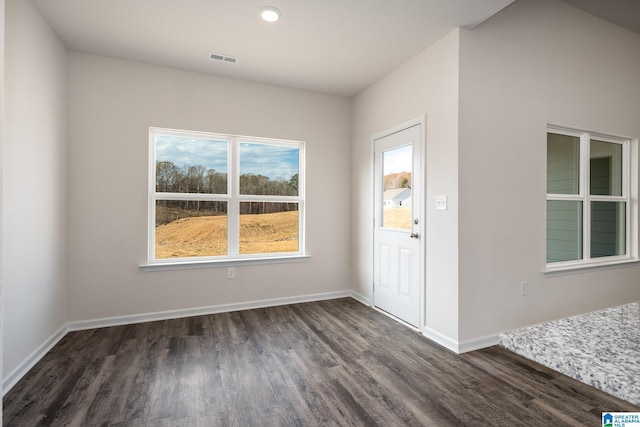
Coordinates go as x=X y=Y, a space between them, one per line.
x=441 y=203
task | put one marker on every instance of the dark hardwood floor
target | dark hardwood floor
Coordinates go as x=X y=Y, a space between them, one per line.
x=325 y=363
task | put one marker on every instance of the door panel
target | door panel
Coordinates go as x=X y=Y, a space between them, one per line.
x=404 y=272
x=385 y=268
x=397 y=248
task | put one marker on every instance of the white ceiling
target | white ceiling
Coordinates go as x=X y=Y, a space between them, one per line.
x=331 y=46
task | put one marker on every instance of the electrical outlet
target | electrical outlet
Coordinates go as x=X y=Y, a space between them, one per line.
x=231 y=273
x=524 y=289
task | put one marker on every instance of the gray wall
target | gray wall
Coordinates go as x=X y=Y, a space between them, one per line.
x=112 y=104
x=34 y=193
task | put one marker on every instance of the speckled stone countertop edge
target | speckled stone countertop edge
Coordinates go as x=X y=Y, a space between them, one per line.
x=600 y=348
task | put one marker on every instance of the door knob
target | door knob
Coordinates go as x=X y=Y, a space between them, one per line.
x=414 y=235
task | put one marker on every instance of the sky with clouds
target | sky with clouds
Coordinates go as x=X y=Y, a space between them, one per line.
x=275 y=162
x=398 y=160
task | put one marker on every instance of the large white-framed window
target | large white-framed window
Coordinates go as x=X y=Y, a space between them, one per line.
x=588 y=199
x=216 y=197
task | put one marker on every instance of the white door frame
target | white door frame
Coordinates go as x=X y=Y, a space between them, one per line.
x=422 y=121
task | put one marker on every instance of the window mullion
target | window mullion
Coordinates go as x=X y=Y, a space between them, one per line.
x=233 y=209
x=585 y=171
x=626 y=194
x=599 y=198
x=190 y=196
x=570 y=197
x=268 y=198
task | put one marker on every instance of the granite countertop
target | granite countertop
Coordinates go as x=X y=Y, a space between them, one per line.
x=601 y=348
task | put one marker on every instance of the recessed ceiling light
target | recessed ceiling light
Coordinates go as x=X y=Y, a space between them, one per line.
x=270 y=13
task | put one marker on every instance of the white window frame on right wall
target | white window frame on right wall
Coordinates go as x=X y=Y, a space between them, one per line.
x=582 y=194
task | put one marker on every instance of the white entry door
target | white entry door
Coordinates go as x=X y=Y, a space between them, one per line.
x=398 y=224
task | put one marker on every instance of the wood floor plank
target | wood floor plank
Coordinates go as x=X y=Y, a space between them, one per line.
x=329 y=363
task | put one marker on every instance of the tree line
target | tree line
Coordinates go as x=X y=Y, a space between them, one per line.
x=397 y=180
x=198 y=179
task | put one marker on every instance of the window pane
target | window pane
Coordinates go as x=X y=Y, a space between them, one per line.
x=268 y=169
x=564 y=230
x=191 y=165
x=608 y=234
x=268 y=227
x=606 y=168
x=397 y=167
x=190 y=228
x=563 y=164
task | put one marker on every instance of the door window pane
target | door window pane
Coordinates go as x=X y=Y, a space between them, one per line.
x=268 y=169
x=606 y=168
x=563 y=164
x=608 y=232
x=397 y=167
x=190 y=228
x=564 y=230
x=191 y=165
x=268 y=227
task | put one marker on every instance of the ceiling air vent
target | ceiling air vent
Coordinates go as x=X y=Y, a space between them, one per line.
x=223 y=58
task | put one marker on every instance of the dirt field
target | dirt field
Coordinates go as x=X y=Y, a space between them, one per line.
x=397 y=218
x=207 y=235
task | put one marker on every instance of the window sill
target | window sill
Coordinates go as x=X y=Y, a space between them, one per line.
x=584 y=268
x=189 y=265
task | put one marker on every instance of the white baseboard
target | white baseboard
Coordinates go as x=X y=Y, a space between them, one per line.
x=360 y=298
x=200 y=311
x=461 y=347
x=479 y=343
x=14 y=376
x=24 y=367
x=443 y=340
